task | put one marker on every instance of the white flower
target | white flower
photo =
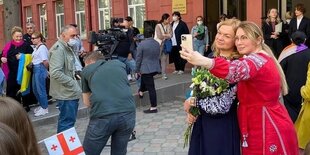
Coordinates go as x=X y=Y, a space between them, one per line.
x=192 y=85
x=203 y=85
x=204 y=89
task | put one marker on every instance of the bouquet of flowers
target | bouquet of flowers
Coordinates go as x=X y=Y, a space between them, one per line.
x=204 y=84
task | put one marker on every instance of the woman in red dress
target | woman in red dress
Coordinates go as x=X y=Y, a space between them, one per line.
x=265 y=125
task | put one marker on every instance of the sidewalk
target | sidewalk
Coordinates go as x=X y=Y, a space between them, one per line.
x=166 y=90
x=156 y=134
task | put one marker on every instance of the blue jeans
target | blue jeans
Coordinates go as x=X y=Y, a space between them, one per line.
x=199 y=46
x=130 y=64
x=68 y=111
x=39 y=84
x=99 y=130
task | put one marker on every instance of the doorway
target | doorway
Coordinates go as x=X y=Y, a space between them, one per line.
x=214 y=8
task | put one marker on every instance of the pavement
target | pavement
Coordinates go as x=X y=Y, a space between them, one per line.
x=156 y=134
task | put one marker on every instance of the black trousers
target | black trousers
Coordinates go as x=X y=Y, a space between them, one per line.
x=179 y=63
x=12 y=91
x=147 y=84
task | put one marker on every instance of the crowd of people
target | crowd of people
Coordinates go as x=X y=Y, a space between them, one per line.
x=266 y=114
x=272 y=115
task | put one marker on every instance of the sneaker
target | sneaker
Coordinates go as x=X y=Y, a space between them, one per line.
x=41 y=112
x=150 y=111
x=37 y=109
x=164 y=77
x=180 y=72
x=175 y=72
x=129 y=77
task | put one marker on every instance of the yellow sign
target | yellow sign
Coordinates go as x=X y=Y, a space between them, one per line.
x=179 y=5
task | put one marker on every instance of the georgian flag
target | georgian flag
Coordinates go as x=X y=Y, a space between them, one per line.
x=64 y=143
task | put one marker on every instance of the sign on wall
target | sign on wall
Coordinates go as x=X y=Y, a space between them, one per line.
x=179 y=5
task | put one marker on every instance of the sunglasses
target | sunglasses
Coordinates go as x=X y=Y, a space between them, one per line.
x=34 y=38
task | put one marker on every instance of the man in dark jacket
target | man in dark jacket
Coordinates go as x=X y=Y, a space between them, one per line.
x=300 y=22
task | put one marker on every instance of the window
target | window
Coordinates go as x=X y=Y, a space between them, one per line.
x=104 y=14
x=43 y=19
x=136 y=9
x=60 y=21
x=80 y=17
x=28 y=14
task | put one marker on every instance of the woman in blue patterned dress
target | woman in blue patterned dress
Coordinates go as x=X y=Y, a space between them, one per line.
x=216 y=129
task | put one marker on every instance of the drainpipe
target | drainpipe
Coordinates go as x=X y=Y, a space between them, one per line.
x=90 y=46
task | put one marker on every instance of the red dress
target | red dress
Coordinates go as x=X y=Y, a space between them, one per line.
x=265 y=125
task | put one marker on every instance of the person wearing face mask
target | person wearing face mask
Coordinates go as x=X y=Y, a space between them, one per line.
x=200 y=35
x=123 y=51
x=178 y=28
x=65 y=83
x=79 y=50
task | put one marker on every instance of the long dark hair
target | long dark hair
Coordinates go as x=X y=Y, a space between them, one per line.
x=165 y=16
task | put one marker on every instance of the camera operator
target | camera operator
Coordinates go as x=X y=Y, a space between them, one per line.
x=123 y=51
x=107 y=93
x=135 y=32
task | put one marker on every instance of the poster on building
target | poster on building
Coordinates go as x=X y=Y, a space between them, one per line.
x=179 y=5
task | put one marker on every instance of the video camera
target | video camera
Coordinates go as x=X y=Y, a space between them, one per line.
x=107 y=40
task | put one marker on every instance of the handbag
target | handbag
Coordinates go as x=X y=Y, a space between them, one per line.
x=29 y=67
x=167 y=48
x=167 y=44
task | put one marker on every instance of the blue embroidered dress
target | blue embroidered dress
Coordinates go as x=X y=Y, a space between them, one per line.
x=216 y=130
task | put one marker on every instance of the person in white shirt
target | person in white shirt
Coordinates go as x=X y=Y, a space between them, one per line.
x=179 y=27
x=300 y=22
x=40 y=73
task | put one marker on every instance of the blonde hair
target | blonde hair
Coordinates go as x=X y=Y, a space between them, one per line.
x=14 y=115
x=10 y=144
x=254 y=32
x=16 y=29
x=278 y=20
x=234 y=23
x=288 y=15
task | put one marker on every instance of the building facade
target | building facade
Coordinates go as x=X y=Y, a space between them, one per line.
x=93 y=15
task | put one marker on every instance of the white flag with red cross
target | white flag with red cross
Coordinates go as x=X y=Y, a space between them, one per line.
x=64 y=143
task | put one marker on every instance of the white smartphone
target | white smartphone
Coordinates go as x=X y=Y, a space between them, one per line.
x=187 y=41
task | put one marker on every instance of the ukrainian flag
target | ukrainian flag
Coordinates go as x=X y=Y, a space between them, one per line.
x=23 y=75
